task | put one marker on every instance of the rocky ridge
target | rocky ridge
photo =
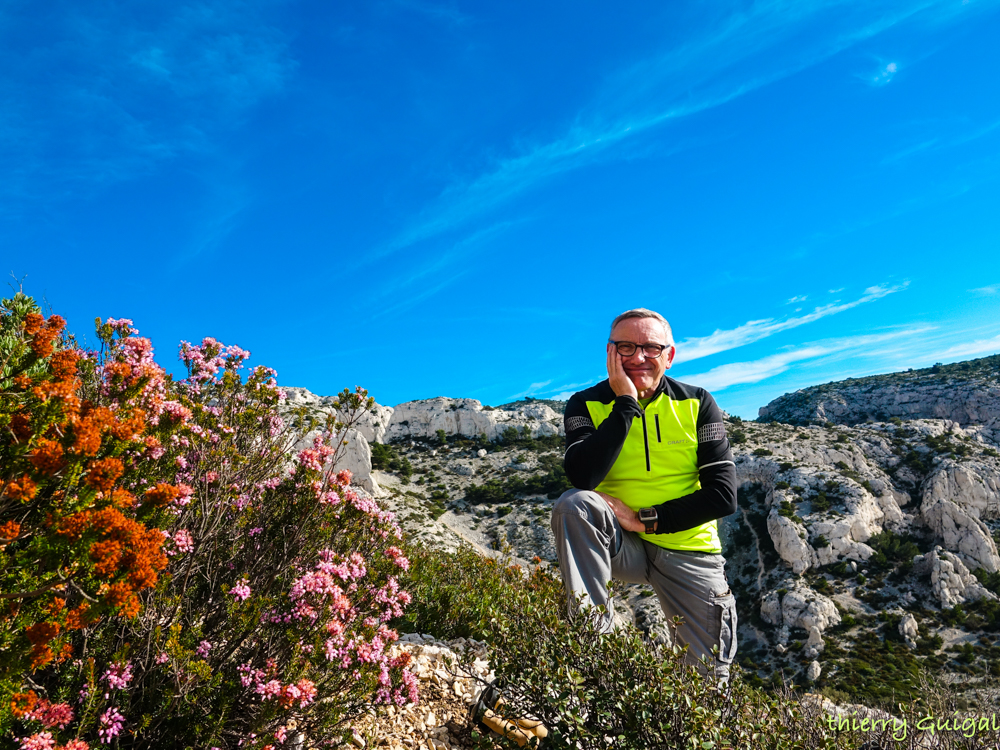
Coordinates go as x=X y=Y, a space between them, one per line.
x=967 y=393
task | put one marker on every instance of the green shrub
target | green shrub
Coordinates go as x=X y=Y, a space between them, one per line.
x=586 y=686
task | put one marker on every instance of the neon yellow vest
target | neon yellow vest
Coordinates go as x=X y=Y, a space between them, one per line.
x=658 y=463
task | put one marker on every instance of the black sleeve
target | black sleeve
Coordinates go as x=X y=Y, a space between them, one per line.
x=716 y=472
x=590 y=451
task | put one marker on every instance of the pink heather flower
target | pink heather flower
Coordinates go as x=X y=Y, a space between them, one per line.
x=212 y=476
x=241 y=591
x=269 y=690
x=255 y=531
x=343 y=478
x=281 y=733
x=203 y=648
x=76 y=745
x=52 y=715
x=111 y=725
x=163 y=658
x=118 y=676
x=311 y=459
x=184 y=498
x=396 y=554
x=181 y=462
x=307 y=692
x=183 y=541
x=40 y=741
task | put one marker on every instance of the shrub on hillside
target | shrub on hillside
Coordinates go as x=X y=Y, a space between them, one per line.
x=83 y=437
x=270 y=617
x=591 y=690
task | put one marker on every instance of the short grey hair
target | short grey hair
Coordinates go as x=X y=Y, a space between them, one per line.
x=642 y=312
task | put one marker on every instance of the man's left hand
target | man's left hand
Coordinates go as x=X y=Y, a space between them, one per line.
x=628 y=518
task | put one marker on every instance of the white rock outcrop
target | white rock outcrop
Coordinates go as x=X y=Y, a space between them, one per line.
x=789 y=542
x=801 y=607
x=468 y=417
x=956 y=499
x=951 y=581
x=908 y=629
x=372 y=424
x=355 y=456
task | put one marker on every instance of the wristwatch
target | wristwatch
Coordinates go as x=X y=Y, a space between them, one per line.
x=648 y=518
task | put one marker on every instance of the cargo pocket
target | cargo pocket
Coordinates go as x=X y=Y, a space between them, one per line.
x=724 y=620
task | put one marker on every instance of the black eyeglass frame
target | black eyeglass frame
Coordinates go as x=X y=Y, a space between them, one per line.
x=635 y=347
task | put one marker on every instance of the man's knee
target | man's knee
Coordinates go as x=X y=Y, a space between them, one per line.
x=576 y=502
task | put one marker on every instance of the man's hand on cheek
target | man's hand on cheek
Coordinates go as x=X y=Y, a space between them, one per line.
x=621 y=384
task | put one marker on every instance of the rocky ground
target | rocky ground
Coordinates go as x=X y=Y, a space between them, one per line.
x=447 y=691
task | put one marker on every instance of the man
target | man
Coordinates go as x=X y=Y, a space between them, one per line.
x=653 y=471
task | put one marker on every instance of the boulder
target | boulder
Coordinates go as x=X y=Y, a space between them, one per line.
x=789 y=542
x=951 y=581
x=813 y=671
x=801 y=607
x=908 y=629
x=814 y=644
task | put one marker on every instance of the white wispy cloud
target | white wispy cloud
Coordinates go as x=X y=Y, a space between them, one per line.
x=793 y=300
x=722 y=340
x=754 y=371
x=884 y=74
x=708 y=71
x=991 y=289
x=972 y=348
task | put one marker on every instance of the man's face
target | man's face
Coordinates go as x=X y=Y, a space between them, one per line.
x=644 y=373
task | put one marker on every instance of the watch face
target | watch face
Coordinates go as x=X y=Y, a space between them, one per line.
x=647 y=514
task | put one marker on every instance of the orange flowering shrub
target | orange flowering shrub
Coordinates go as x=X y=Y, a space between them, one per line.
x=79 y=434
x=183 y=569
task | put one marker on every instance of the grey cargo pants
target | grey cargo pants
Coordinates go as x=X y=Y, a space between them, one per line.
x=592 y=548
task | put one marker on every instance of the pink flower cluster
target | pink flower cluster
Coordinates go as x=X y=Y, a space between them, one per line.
x=183 y=541
x=203 y=648
x=300 y=693
x=205 y=360
x=241 y=591
x=118 y=676
x=40 y=741
x=51 y=715
x=396 y=555
x=111 y=725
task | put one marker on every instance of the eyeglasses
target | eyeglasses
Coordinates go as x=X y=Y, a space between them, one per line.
x=649 y=351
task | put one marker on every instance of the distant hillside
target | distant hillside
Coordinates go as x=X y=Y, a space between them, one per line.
x=963 y=392
x=559 y=407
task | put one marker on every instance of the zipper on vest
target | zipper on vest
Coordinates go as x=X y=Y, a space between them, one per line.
x=657 y=418
x=645 y=438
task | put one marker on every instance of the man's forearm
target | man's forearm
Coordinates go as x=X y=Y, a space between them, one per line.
x=716 y=499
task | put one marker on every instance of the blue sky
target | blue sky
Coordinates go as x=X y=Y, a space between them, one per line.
x=448 y=198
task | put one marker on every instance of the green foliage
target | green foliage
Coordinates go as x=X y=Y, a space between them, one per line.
x=386 y=458
x=584 y=685
x=891 y=550
x=552 y=484
x=762 y=452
